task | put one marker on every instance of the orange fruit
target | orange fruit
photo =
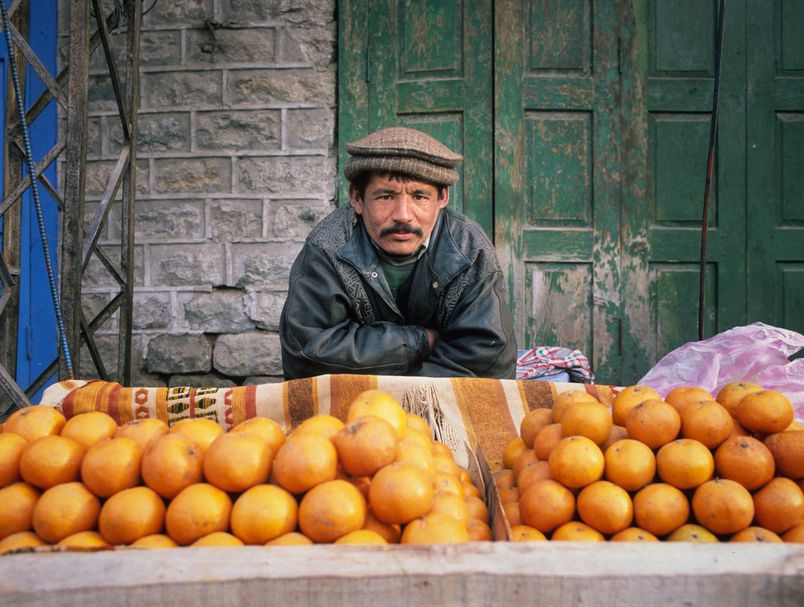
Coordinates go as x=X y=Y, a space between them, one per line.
x=708 y=422
x=84 y=540
x=412 y=452
x=476 y=508
x=88 y=428
x=446 y=483
x=331 y=510
x=390 y=532
x=11 y=448
x=18 y=501
x=787 y=449
x=794 y=535
x=366 y=444
x=20 y=540
x=196 y=511
x=513 y=449
x=537 y=471
x=201 y=429
x=660 y=508
x=605 y=507
x=451 y=505
x=505 y=478
x=440 y=448
x=575 y=531
x=576 y=462
x=524 y=459
x=418 y=423
x=534 y=420
x=294 y=538
x=400 y=493
x=325 y=425
x=217 y=538
x=723 y=506
x=34 y=422
x=732 y=393
x=380 y=404
x=524 y=533
x=628 y=398
x=305 y=460
x=478 y=531
x=546 y=505
x=766 y=412
x=157 y=540
x=653 y=422
x=630 y=464
x=779 y=505
x=692 y=533
x=111 y=465
x=755 y=534
x=746 y=460
x=171 y=463
x=51 y=460
x=412 y=435
x=564 y=400
x=508 y=494
x=546 y=439
x=682 y=397
x=263 y=513
x=131 y=514
x=589 y=419
x=685 y=463
x=362 y=537
x=512 y=512
x=617 y=433
x=143 y=431
x=63 y=510
x=361 y=482
x=446 y=464
x=634 y=534
x=265 y=427
x=235 y=462
x=434 y=528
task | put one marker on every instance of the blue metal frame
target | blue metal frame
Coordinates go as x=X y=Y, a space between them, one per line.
x=37 y=344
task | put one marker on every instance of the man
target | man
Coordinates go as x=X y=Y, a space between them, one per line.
x=397 y=283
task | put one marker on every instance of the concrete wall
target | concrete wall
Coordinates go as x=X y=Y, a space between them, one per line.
x=236 y=163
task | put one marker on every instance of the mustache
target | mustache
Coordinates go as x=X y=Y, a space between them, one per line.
x=401 y=229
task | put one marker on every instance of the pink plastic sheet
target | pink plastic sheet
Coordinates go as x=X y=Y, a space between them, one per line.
x=757 y=353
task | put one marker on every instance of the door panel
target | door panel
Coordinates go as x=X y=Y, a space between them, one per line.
x=427 y=66
x=776 y=155
x=556 y=193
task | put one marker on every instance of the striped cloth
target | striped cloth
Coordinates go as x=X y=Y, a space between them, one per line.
x=483 y=414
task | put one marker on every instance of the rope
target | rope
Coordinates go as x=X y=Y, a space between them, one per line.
x=40 y=219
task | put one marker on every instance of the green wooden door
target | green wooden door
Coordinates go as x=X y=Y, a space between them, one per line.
x=557 y=197
x=585 y=127
x=425 y=64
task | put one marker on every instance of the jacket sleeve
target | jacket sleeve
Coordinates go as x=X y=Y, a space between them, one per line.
x=320 y=334
x=478 y=338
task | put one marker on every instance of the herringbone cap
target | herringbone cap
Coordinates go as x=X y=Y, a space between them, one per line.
x=403 y=150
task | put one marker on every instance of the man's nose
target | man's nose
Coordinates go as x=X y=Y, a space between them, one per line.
x=402 y=208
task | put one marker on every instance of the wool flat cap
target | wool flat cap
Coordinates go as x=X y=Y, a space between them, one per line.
x=403 y=150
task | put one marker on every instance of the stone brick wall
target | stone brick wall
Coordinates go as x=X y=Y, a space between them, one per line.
x=236 y=162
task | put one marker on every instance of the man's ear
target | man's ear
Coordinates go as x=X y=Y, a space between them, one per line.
x=355 y=199
x=443 y=198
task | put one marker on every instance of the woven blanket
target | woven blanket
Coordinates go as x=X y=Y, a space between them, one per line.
x=479 y=413
x=548 y=360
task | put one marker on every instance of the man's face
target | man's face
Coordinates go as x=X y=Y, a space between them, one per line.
x=398 y=215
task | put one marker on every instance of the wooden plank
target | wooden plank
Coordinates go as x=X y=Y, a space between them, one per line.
x=499 y=573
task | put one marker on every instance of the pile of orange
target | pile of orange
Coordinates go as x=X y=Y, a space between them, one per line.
x=377 y=478
x=689 y=467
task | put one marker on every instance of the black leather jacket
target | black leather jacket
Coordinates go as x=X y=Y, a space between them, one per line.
x=340 y=317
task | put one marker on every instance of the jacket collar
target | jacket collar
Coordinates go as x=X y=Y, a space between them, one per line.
x=443 y=256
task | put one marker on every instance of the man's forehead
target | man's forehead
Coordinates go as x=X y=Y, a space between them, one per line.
x=397 y=182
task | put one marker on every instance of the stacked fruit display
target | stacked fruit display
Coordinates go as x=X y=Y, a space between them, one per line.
x=689 y=467
x=377 y=478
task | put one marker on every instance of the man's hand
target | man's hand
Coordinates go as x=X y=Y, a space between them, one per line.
x=432 y=337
